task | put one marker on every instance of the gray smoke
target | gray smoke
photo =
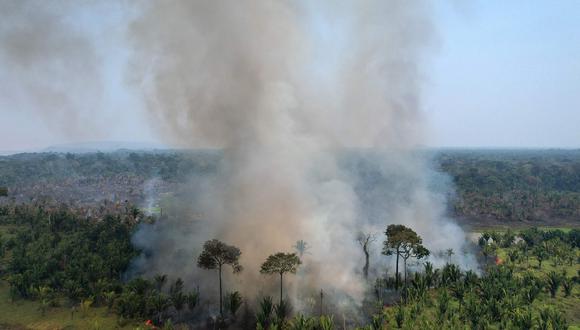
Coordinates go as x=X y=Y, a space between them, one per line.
x=286 y=89
x=315 y=105
x=50 y=67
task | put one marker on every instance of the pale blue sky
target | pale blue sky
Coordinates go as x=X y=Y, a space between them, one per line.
x=501 y=74
x=507 y=73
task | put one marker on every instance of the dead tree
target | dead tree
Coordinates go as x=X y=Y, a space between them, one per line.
x=365 y=240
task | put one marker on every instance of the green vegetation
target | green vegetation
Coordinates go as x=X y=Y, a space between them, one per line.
x=66 y=266
x=404 y=243
x=511 y=185
x=55 y=265
x=37 y=168
x=492 y=186
x=514 y=292
x=25 y=314
x=61 y=270
x=54 y=251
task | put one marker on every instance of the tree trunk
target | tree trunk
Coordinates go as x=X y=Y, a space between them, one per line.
x=397 y=271
x=366 y=267
x=220 y=272
x=405 y=264
x=281 y=289
x=321 y=301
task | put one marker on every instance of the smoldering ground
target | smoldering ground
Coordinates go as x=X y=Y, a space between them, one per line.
x=383 y=193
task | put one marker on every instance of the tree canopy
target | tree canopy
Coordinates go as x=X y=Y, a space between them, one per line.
x=405 y=243
x=281 y=263
x=215 y=254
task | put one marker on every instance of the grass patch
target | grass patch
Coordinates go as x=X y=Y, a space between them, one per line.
x=25 y=314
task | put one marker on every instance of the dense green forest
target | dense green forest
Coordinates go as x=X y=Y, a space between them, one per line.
x=52 y=167
x=525 y=185
x=541 y=186
x=58 y=260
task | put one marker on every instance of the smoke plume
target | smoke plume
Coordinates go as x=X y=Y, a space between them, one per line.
x=316 y=106
x=50 y=67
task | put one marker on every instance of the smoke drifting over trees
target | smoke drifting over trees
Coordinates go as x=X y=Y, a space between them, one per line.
x=284 y=88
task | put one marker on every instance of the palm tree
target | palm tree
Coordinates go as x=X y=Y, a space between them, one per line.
x=301 y=247
x=160 y=303
x=568 y=285
x=178 y=299
x=264 y=315
x=192 y=299
x=109 y=299
x=233 y=302
x=553 y=282
x=300 y=322
x=160 y=281
x=541 y=253
x=449 y=253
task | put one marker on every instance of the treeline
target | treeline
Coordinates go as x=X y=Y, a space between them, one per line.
x=505 y=185
x=532 y=185
x=52 y=167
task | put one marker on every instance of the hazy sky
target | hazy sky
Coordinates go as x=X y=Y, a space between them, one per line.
x=502 y=74
x=507 y=74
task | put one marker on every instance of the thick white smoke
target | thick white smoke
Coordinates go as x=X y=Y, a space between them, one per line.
x=287 y=89
x=315 y=104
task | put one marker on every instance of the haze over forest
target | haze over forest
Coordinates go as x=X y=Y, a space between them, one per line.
x=277 y=165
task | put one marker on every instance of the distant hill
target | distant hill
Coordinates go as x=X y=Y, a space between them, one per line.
x=91 y=147
x=103 y=146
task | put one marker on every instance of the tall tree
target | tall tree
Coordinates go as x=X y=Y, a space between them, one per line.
x=301 y=247
x=160 y=280
x=281 y=263
x=404 y=243
x=449 y=253
x=217 y=254
x=365 y=240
